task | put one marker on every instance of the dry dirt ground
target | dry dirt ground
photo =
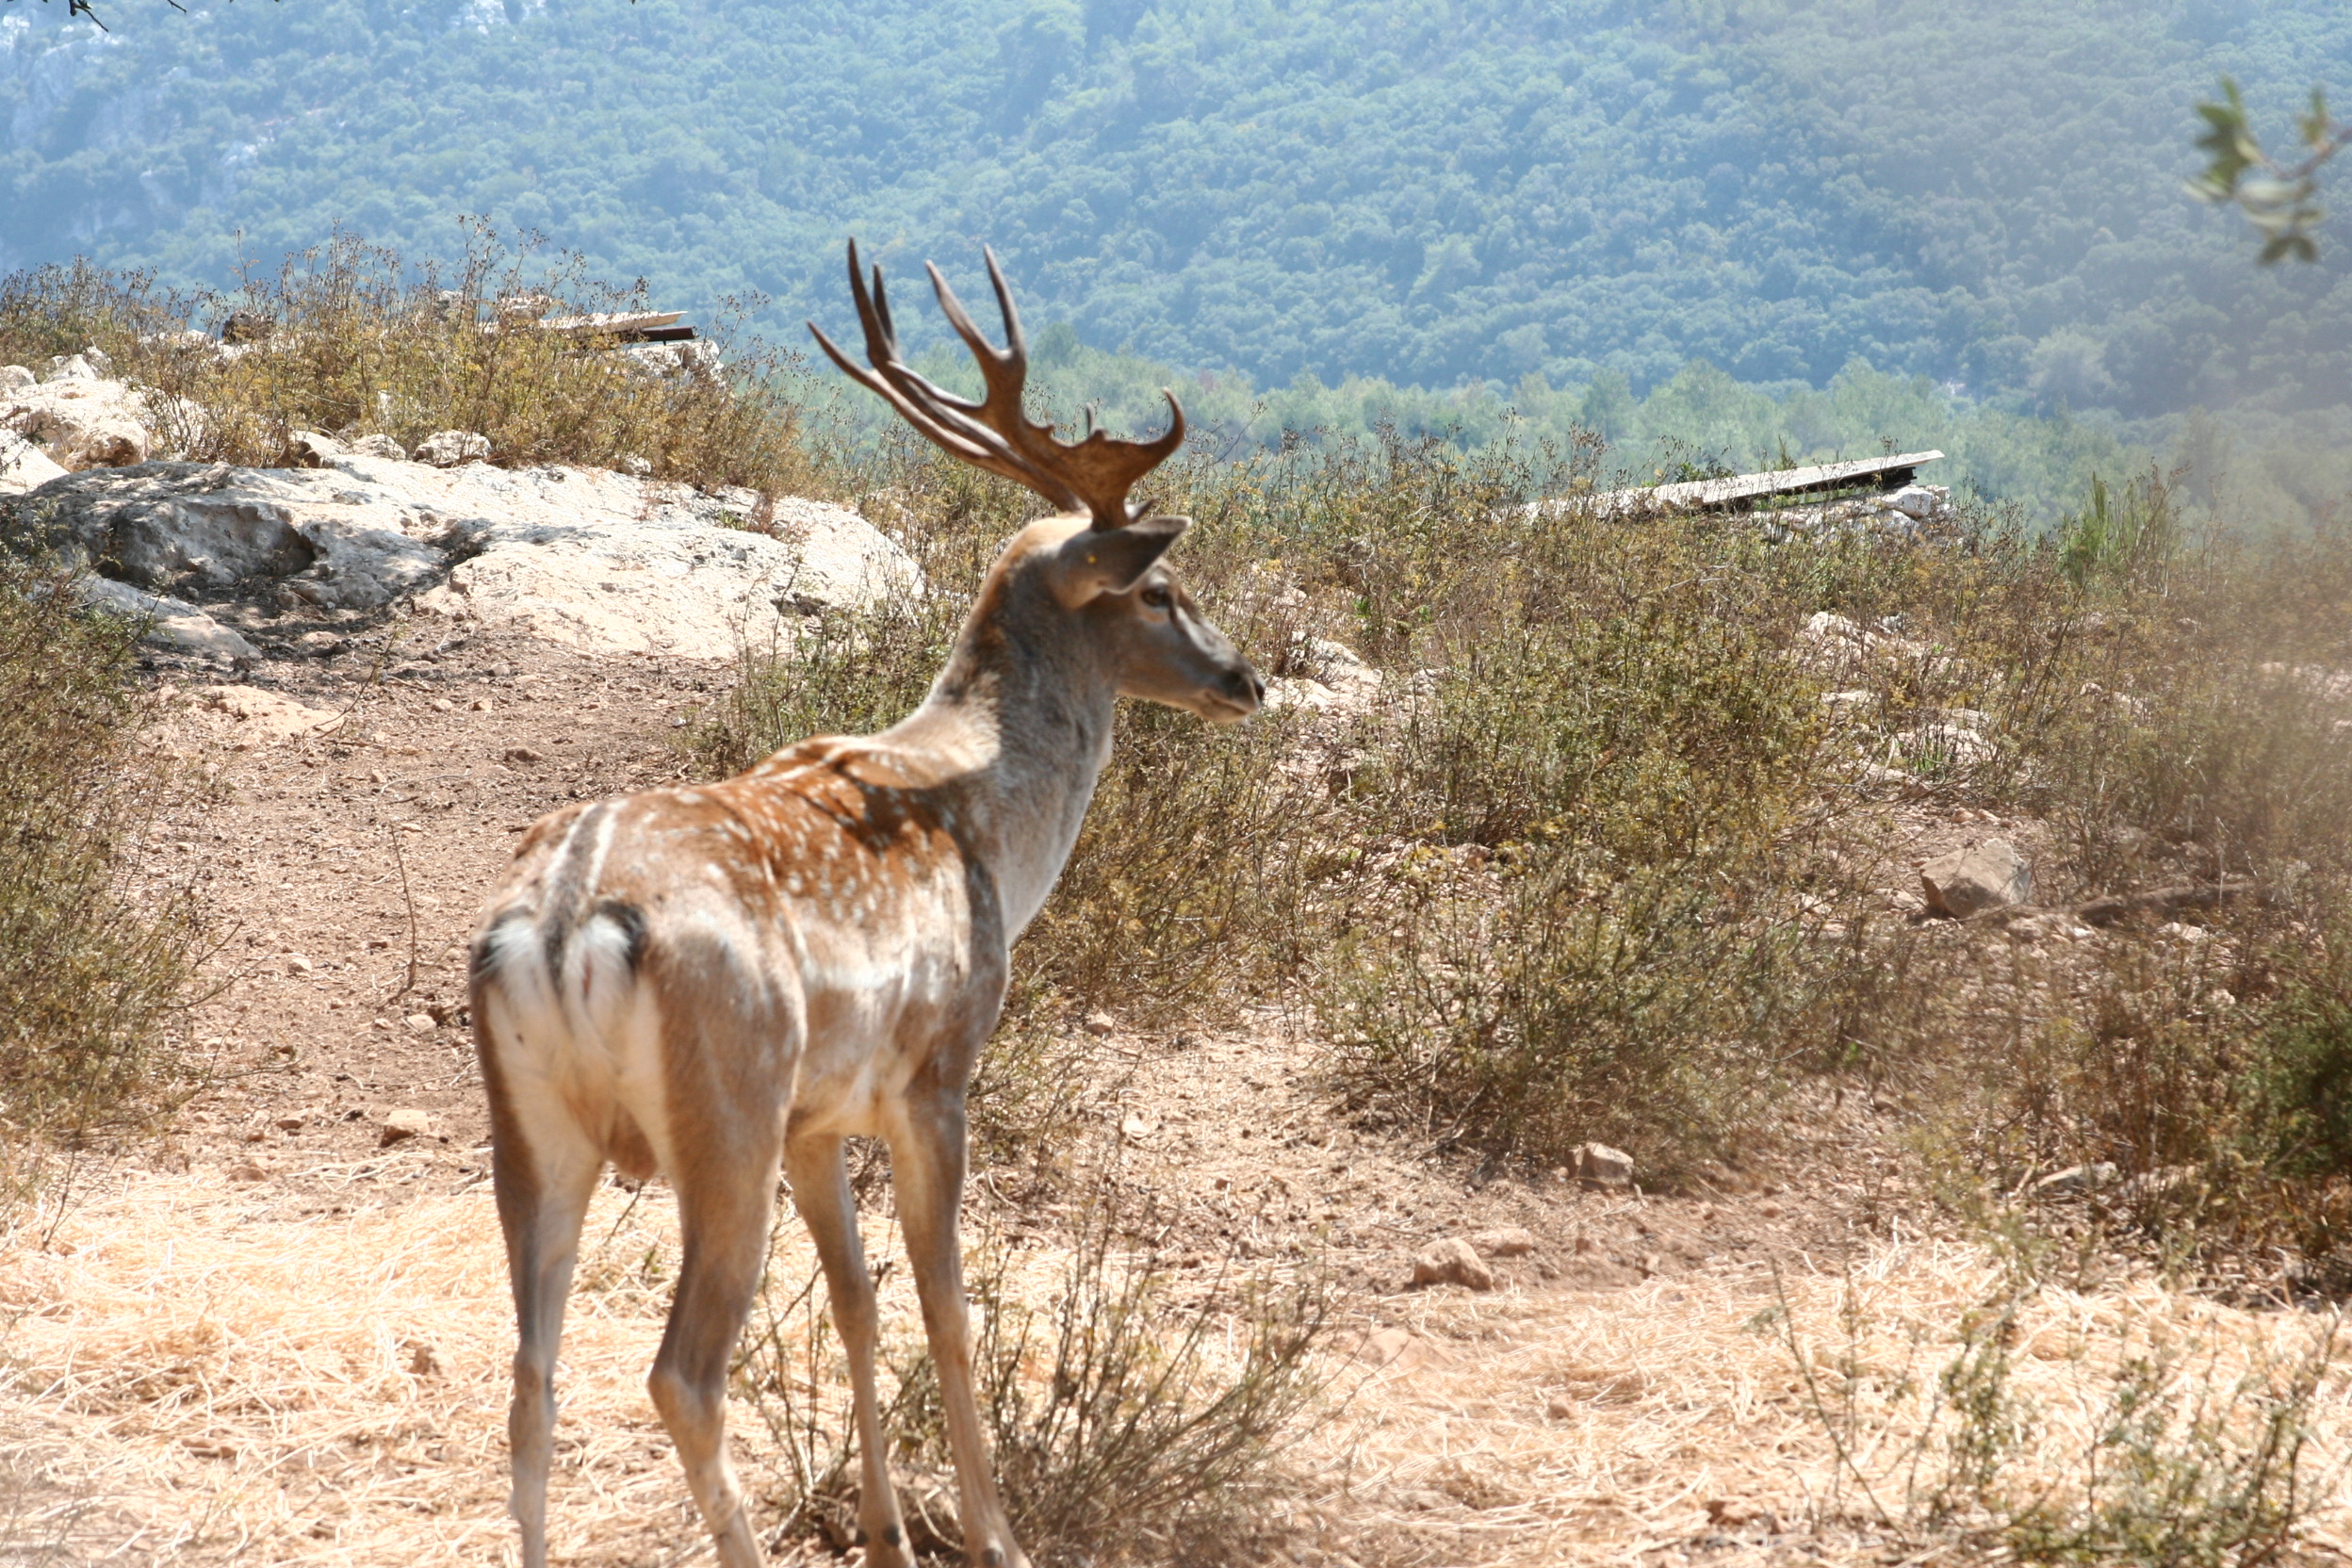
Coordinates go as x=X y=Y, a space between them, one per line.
x=271 y=1336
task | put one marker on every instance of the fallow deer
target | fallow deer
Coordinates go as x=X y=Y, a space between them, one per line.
x=722 y=984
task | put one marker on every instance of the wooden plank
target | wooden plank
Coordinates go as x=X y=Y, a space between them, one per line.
x=1741 y=491
x=612 y=324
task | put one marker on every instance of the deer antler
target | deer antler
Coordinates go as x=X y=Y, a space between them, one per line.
x=1092 y=475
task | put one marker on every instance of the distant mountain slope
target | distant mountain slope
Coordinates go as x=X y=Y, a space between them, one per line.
x=1987 y=193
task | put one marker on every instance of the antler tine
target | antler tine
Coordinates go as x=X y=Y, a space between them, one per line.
x=934 y=412
x=1093 y=475
x=1014 y=343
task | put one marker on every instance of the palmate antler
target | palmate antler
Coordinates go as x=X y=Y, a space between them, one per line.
x=1092 y=475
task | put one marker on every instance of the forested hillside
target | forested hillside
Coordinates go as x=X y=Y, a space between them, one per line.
x=1986 y=195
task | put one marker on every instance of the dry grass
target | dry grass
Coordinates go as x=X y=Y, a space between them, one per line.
x=1544 y=1431
x=198 y=1373
x=201 y=1372
x=362 y=343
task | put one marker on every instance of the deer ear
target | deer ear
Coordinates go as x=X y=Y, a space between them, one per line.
x=1110 y=561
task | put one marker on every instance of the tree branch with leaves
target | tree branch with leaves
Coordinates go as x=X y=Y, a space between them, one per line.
x=2279 y=199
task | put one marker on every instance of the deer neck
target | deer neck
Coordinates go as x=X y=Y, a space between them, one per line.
x=1019 y=723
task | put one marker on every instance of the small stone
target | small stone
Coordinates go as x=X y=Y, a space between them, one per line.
x=1098 y=1023
x=1769 y=1210
x=1600 y=1166
x=297 y=964
x=248 y=1170
x=1508 y=1241
x=401 y=1126
x=442 y=705
x=1452 y=1263
x=481 y=705
x=15 y=378
x=1990 y=875
x=320 y=644
x=291 y=1124
x=521 y=753
x=419 y=1024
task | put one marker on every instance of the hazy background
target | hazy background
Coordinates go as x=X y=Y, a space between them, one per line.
x=1748 y=227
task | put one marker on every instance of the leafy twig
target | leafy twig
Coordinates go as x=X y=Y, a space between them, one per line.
x=2281 y=200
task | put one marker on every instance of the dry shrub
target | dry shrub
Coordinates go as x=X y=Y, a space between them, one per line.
x=2179 y=714
x=94 y=958
x=1136 y=1413
x=361 y=343
x=2168 y=1445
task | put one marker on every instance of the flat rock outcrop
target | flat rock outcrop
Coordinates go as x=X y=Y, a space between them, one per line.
x=594 y=560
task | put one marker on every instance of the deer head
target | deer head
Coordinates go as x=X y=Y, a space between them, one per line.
x=1101 y=561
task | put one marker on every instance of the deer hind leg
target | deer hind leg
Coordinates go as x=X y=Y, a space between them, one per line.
x=726 y=1198
x=543 y=1189
x=820 y=1182
x=927 y=1164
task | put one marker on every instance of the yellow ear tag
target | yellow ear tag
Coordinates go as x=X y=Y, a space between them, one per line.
x=1089 y=561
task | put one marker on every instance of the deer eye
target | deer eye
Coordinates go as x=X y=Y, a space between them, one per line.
x=1157 y=597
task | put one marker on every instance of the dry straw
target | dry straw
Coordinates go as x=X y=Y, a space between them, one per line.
x=201 y=1371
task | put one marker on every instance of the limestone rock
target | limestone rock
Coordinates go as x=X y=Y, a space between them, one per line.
x=449 y=447
x=1600 y=1166
x=15 y=377
x=1988 y=875
x=594 y=560
x=1452 y=1262
x=80 y=420
x=24 y=465
x=1924 y=503
x=168 y=623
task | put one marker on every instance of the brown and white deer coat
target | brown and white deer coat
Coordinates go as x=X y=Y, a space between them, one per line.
x=721 y=984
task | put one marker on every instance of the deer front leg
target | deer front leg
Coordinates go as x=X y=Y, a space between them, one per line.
x=927 y=1169
x=820 y=1182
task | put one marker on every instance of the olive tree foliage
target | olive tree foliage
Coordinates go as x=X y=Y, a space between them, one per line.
x=2279 y=198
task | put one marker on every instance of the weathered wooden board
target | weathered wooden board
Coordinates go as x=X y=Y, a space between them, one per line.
x=1742 y=491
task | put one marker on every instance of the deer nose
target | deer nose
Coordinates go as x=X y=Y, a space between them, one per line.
x=1244 y=686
